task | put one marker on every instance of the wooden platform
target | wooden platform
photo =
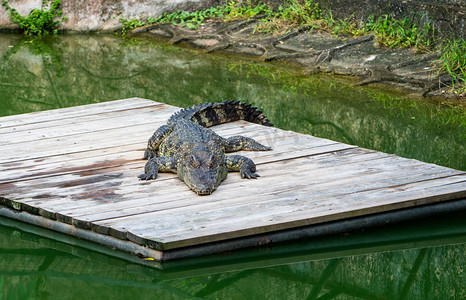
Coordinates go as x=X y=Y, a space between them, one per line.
x=74 y=170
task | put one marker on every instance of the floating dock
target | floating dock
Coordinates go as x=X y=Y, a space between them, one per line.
x=74 y=170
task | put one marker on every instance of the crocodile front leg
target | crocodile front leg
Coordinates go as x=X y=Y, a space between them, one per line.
x=238 y=142
x=154 y=165
x=241 y=164
x=154 y=142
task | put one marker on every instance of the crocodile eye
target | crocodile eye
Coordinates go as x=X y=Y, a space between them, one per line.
x=212 y=160
x=194 y=161
x=210 y=163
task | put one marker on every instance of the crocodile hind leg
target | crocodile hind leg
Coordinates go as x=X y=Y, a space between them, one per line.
x=241 y=164
x=154 y=165
x=154 y=142
x=238 y=142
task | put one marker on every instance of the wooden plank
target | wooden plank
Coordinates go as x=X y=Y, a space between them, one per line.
x=226 y=201
x=155 y=115
x=35 y=170
x=85 y=117
x=144 y=197
x=119 y=229
x=79 y=162
x=292 y=213
x=128 y=166
x=265 y=135
x=75 y=111
x=113 y=137
x=269 y=186
x=90 y=190
x=25 y=176
x=34 y=163
x=151 y=203
x=164 y=197
x=161 y=191
x=76 y=143
x=65 y=185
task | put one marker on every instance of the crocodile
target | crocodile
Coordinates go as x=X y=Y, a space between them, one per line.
x=187 y=147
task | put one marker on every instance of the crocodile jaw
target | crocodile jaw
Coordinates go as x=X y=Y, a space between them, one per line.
x=203 y=180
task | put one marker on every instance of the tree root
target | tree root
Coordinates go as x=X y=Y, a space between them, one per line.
x=383 y=74
x=239 y=25
x=443 y=81
x=427 y=57
x=266 y=46
x=218 y=47
x=291 y=34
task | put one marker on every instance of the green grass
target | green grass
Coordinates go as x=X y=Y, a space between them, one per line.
x=406 y=33
x=293 y=13
x=453 y=62
x=236 y=10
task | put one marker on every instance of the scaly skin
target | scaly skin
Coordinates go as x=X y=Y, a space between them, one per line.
x=196 y=153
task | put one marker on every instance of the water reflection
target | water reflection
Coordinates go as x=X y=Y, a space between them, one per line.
x=53 y=72
x=410 y=261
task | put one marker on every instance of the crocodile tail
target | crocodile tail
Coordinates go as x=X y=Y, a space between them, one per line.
x=186 y=113
x=211 y=114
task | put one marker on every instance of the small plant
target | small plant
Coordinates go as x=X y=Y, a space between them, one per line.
x=128 y=25
x=406 y=33
x=235 y=10
x=300 y=13
x=40 y=21
x=346 y=27
x=453 y=61
x=192 y=20
x=294 y=13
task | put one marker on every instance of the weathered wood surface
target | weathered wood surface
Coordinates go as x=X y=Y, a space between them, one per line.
x=79 y=166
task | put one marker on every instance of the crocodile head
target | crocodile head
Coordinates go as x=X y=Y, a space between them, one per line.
x=202 y=169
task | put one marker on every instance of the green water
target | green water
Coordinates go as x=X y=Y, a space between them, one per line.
x=411 y=261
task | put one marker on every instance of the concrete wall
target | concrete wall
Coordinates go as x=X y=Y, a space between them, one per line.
x=98 y=15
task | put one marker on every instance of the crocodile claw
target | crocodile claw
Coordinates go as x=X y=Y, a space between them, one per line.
x=147 y=176
x=249 y=175
x=148 y=154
